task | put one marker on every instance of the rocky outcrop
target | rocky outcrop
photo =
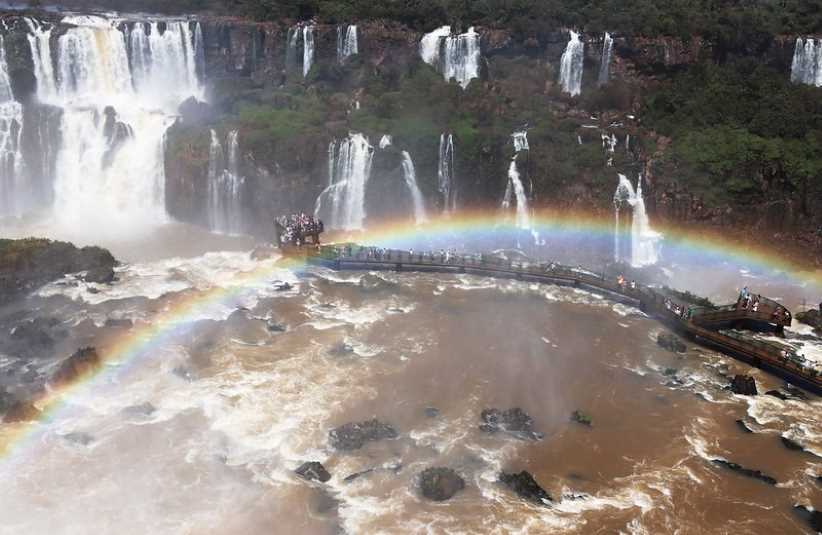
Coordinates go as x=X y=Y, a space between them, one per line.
x=744 y=385
x=671 y=343
x=440 y=484
x=755 y=474
x=514 y=421
x=813 y=318
x=313 y=471
x=353 y=436
x=82 y=363
x=526 y=487
x=813 y=517
x=25 y=265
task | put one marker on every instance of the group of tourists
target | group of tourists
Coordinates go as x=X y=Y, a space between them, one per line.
x=298 y=226
x=624 y=284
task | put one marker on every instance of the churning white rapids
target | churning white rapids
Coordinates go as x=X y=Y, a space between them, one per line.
x=201 y=429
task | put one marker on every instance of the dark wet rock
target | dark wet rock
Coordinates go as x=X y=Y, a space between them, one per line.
x=313 y=471
x=515 y=421
x=374 y=283
x=581 y=418
x=144 y=410
x=812 y=317
x=28 y=264
x=194 y=112
x=744 y=426
x=794 y=445
x=83 y=362
x=795 y=392
x=812 y=517
x=670 y=372
x=353 y=436
x=671 y=343
x=283 y=287
x=526 y=487
x=440 y=484
x=777 y=394
x=83 y=439
x=37 y=334
x=756 y=474
x=93 y=291
x=184 y=373
x=341 y=349
x=114 y=323
x=356 y=475
x=21 y=411
x=274 y=327
x=100 y=275
x=432 y=412
x=744 y=385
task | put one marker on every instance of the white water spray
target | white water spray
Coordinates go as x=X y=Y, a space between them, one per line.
x=308 y=49
x=520 y=140
x=570 y=71
x=605 y=61
x=119 y=93
x=445 y=173
x=807 y=62
x=225 y=185
x=342 y=203
x=515 y=190
x=13 y=194
x=347 y=45
x=456 y=56
x=644 y=240
x=410 y=176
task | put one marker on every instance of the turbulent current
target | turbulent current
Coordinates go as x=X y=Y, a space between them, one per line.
x=201 y=431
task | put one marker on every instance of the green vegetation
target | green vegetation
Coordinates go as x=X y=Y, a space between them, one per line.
x=740 y=130
x=581 y=418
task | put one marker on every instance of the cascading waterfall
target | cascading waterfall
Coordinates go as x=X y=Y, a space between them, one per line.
x=308 y=48
x=807 y=62
x=520 y=140
x=570 y=70
x=515 y=190
x=456 y=56
x=386 y=141
x=13 y=191
x=644 y=240
x=347 y=45
x=605 y=62
x=291 y=41
x=342 y=204
x=609 y=143
x=410 y=176
x=225 y=185
x=445 y=173
x=118 y=90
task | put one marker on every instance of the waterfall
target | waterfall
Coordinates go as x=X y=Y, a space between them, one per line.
x=644 y=240
x=410 y=176
x=520 y=140
x=570 y=71
x=609 y=143
x=516 y=191
x=605 y=62
x=118 y=90
x=342 y=203
x=386 y=141
x=291 y=40
x=456 y=56
x=308 y=49
x=225 y=185
x=346 y=42
x=13 y=194
x=807 y=62
x=445 y=173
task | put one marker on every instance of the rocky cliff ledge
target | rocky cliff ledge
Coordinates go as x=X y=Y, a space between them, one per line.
x=28 y=264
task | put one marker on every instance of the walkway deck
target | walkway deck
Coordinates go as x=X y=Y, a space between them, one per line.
x=700 y=326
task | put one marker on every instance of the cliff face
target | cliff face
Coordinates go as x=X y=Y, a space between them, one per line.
x=285 y=122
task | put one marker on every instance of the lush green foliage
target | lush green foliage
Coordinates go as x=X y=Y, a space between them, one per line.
x=739 y=127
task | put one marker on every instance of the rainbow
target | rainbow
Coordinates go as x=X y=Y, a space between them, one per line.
x=130 y=349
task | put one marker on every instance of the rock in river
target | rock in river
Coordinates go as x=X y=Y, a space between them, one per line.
x=82 y=362
x=515 y=421
x=756 y=474
x=744 y=385
x=440 y=484
x=671 y=343
x=526 y=487
x=353 y=436
x=313 y=470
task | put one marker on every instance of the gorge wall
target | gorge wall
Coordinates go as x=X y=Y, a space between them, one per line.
x=283 y=93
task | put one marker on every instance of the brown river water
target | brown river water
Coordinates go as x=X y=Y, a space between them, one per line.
x=238 y=406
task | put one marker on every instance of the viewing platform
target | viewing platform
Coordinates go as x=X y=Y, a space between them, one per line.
x=700 y=324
